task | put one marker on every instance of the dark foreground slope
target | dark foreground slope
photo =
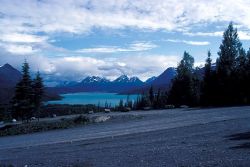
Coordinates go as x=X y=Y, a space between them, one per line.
x=207 y=137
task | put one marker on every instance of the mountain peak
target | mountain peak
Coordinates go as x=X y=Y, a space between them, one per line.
x=94 y=79
x=166 y=77
x=122 y=78
x=9 y=76
x=126 y=79
x=134 y=79
x=7 y=66
x=151 y=79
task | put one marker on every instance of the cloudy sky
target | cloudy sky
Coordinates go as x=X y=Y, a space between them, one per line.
x=72 y=39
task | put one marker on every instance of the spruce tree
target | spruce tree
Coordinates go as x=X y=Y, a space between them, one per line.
x=121 y=106
x=22 y=100
x=151 y=95
x=230 y=50
x=247 y=80
x=38 y=90
x=240 y=76
x=182 y=89
x=207 y=90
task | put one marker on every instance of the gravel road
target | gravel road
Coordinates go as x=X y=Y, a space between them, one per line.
x=178 y=137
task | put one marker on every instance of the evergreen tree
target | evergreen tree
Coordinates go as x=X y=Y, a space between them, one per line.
x=230 y=49
x=38 y=89
x=22 y=100
x=142 y=101
x=156 y=102
x=182 y=89
x=106 y=104
x=196 y=86
x=208 y=66
x=159 y=100
x=208 y=86
x=247 y=80
x=240 y=77
x=121 y=106
x=151 y=95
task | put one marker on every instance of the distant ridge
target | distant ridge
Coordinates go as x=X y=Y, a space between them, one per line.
x=9 y=76
x=163 y=82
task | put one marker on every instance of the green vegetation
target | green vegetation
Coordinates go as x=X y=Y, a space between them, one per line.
x=6 y=165
x=228 y=83
x=43 y=126
x=66 y=109
x=183 y=89
x=224 y=85
x=28 y=96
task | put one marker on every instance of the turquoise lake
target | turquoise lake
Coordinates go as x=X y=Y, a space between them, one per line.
x=93 y=98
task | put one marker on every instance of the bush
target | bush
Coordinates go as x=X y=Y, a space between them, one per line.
x=81 y=120
x=42 y=126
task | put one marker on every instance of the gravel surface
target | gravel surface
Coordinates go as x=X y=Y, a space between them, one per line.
x=179 y=137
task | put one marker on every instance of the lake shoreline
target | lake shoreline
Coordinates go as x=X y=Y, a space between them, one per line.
x=93 y=98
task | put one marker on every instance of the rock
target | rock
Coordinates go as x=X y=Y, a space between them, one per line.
x=33 y=118
x=101 y=119
x=169 y=106
x=91 y=112
x=184 y=106
x=107 y=110
x=146 y=108
x=127 y=109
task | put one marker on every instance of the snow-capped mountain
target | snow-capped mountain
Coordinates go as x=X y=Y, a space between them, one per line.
x=162 y=82
x=94 y=79
x=67 y=83
x=135 y=80
x=126 y=79
x=122 y=78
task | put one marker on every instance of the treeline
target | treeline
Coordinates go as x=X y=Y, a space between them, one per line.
x=224 y=83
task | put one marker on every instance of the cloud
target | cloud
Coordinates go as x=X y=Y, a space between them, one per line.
x=36 y=22
x=243 y=35
x=22 y=38
x=210 y=34
x=134 y=47
x=195 y=43
x=27 y=28
x=137 y=65
x=77 y=67
x=18 y=49
x=78 y=16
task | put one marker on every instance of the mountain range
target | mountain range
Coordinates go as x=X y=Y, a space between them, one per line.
x=9 y=77
x=123 y=84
